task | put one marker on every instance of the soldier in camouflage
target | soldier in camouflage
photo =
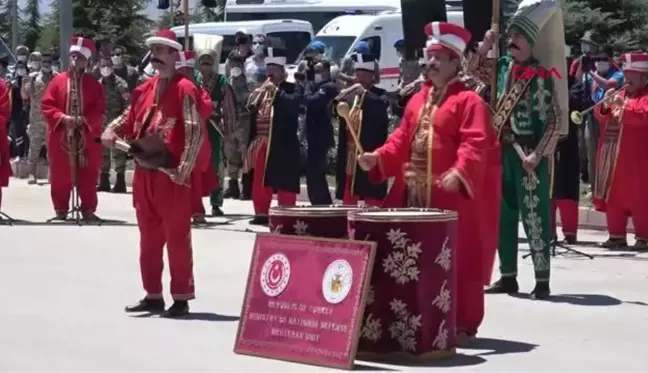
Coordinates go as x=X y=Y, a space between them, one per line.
x=32 y=91
x=117 y=96
x=243 y=74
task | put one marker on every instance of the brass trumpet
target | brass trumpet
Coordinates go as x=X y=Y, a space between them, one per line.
x=347 y=112
x=577 y=116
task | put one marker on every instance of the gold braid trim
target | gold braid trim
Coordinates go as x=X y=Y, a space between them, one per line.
x=547 y=144
x=193 y=138
x=117 y=124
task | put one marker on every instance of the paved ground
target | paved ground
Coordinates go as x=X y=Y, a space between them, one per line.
x=64 y=287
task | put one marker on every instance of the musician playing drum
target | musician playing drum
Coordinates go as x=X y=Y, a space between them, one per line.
x=366 y=120
x=438 y=156
x=73 y=106
x=274 y=150
x=164 y=109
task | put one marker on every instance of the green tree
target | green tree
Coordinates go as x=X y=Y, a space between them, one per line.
x=32 y=25
x=5 y=21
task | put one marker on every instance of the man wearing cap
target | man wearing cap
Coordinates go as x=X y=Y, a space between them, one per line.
x=313 y=54
x=5 y=157
x=22 y=53
x=531 y=115
x=73 y=106
x=369 y=121
x=622 y=160
x=117 y=96
x=450 y=174
x=275 y=110
x=19 y=118
x=407 y=72
x=33 y=91
x=223 y=115
x=167 y=106
x=347 y=69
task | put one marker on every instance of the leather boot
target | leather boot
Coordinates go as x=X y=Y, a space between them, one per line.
x=120 y=184
x=246 y=182
x=104 y=183
x=232 y=189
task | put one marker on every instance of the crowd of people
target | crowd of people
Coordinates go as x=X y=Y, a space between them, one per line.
x=189 y=125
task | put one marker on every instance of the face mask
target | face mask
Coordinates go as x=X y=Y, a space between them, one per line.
x=587 y=48
x=22 y=58
x=258 y=49
x=235 y=71
x=602 y=66
x=318 y=78
x=106 y=71
x=47 y=69
x=35 y=65
x=21 y=72
x=116 y=60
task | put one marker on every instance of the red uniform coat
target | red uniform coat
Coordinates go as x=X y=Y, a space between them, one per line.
x=464 y=142
x=55 y=104
x=5 y=156
x=622 y=157
x=205 y=178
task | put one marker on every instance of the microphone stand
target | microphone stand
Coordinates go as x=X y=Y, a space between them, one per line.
x=6 y=219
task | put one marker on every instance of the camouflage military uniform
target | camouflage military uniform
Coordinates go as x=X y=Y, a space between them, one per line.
x=408 y=71
x=116 y=91
x=236 y=139
x=35 y=88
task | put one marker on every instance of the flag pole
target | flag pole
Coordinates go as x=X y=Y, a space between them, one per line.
x=185 y=10
x=495 y=26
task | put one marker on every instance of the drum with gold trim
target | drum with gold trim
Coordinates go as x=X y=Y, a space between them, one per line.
x=316 y=221
x=411 y=308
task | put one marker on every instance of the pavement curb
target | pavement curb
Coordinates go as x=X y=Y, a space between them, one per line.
x=588 y=218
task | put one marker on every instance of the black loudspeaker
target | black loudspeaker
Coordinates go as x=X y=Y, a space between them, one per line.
x=163 y=4
x=416 y=14
x=477 y=18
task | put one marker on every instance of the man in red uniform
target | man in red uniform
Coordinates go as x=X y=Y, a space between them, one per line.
x=204 y=178
x=622 y=160
x=165 y=106
x=456 y=122
x=73 y=106
x=5 y=157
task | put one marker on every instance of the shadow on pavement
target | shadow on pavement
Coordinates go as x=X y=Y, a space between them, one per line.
x=365 y=367
x=69 y=222
x=199 y=316
x=588 y=300
x=499 y=346
x=459 y=360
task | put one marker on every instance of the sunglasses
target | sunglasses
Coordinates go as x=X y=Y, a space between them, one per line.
x=115 y=54
x=258 y=43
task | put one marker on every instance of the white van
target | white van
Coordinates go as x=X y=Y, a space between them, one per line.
x=293 y=35
x=380 y=31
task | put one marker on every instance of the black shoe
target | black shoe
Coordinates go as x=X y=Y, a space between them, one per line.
x=246 y=182
x=260 y=220
x=147 y=305
x=614 y=244
x=104 y=183
x=541 y=291
x=640 y=245
x=232 y=190
x=216 y=211
x=199 y=220
x=120 y=184
x=505 y=285
x=569 y=240
x=178 y=309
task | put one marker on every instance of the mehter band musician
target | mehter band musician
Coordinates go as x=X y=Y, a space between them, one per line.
x=438 y=155
x=274 y=151
x=163 y=126
x=622 y=161
x=531 y=116
x=5 y=157
x=73 y=106
x=364 y=124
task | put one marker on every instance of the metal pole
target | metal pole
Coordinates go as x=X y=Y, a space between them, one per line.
x=65 y=31
x=185 y=9
x=172 y=10
x=14 y=24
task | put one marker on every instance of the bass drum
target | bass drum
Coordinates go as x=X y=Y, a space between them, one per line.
x=410 y=310
x=316 y=221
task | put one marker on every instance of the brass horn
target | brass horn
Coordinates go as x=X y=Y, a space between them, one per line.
x=577 y=116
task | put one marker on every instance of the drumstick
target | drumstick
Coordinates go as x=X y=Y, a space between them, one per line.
x=213 y=124
x=356 y=140
x=520 y=152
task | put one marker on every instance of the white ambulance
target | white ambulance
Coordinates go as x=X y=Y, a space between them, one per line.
x=380 y=31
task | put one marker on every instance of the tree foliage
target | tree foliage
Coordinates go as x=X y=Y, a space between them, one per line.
x=621 y=23
x=31 y=27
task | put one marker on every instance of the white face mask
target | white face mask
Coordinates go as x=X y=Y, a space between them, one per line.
x=106 y=71
x=116 y=60
x=47 y=69
x=236 y=71
x=318 y=78
x=35 y=65
x=21 y=72
x=22 y=58
x=602 y=66
x=587 y=48
x=258 y=49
